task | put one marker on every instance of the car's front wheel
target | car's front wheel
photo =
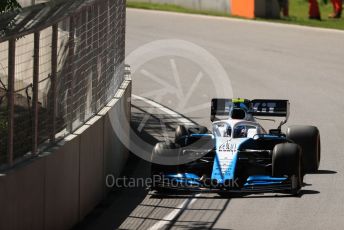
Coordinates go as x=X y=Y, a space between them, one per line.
x=162 y=158
x=286 y=161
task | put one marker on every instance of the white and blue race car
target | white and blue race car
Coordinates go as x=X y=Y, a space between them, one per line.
x=238 y=155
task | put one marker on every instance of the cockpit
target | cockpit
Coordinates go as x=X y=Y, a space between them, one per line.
x=237 y=130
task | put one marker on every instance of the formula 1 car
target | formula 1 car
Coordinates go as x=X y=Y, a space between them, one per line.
x=239 y=155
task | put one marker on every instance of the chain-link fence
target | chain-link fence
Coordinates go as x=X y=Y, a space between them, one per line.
x=59 y=65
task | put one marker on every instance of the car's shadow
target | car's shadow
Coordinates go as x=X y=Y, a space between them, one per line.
x=324 y=172
x=184 y=195
x=133 y=207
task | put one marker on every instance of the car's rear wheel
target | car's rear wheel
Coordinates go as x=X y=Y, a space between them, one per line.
x=308 y=138
x=286 y=161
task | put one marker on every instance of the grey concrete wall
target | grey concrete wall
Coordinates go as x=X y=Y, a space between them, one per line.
x=221 y=6
x=62 y=184
x=114 y=163
x=22 y=196
x=58 y=188
x=91 y=164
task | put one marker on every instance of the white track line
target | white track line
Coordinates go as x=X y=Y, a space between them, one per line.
x=166 y=220
x=173 y=114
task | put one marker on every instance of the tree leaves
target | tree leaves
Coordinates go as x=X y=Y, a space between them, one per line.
x=9 y=5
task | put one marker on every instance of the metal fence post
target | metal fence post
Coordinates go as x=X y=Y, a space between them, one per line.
x=95 y=55
x=53 y=103
x=10 y=95
x=35 y=85
x=71 y=74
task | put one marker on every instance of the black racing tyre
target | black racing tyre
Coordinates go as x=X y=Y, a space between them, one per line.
x=161 y=153
x=286 y=161
x=308 y=138
x=164 y=150
x=180 y=132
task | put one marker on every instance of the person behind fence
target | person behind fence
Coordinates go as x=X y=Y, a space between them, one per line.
x=284 y=7
x=337 y=8
x=314 y=12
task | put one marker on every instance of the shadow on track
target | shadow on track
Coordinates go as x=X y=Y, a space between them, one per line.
x=236 y=196
x=121 y=202
x=323 y=172
x=136 y=208
x=168 y=212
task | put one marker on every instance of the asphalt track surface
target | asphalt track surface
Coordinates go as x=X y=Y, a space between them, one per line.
x=262 y=60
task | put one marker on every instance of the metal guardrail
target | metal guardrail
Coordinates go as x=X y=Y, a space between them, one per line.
x=59 y=65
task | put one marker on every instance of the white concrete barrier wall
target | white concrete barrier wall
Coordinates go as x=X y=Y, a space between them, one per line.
x=61 y=186
x=220 y=6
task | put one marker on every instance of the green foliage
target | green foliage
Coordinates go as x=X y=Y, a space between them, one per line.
x=8 y=5
x=3 y=123
x=299 y=15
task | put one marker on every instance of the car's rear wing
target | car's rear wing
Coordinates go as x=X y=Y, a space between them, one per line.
x=223 y=106
x=220 y=106
x=270 y=108
x=256 y=107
